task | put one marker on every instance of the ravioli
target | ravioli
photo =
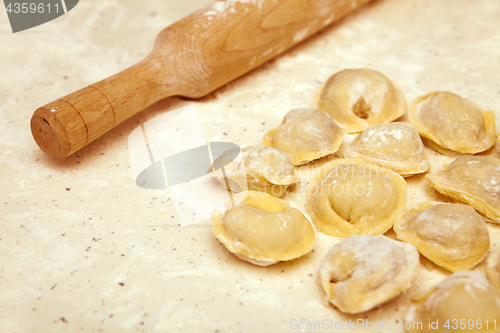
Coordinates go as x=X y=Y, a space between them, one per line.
x=396 y=146
x=352 y=197
x=263 y=229
x=453 y=123
x=464 y=302
x=257 y=168
x=306 y=135
x=493 y=268
x=359 y=98
x=474 y=180
x=453 y=236
x=362 y=272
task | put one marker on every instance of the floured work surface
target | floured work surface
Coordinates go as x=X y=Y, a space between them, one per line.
x=83 y=248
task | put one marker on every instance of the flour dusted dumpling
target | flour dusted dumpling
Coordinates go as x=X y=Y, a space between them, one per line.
x=306 y=135
x=362 y=272
x=474 y=180
x=453 y=236
x=453 y=123
x=396 y=146
x=352 y=197
x=263 y=229
x=358 y=98
x=493 y=268
x=257 y=168
x=464 y=302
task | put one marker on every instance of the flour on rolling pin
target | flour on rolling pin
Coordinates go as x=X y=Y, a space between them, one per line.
x=192 y=58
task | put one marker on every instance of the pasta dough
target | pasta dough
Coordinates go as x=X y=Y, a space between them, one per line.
x=362 y=272
x=453 y=122
x=474 y=180
x=352 y=197
x=257 y=168
x=464 y=297
x=453 y=236
x=306 y=135
x=358 y=98
x=493 y=268
x=396 y=146
x=263 y=229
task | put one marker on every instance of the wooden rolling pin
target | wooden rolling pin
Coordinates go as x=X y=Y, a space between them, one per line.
x=192 y=57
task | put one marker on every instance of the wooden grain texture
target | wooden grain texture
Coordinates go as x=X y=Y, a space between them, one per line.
x=192 y=58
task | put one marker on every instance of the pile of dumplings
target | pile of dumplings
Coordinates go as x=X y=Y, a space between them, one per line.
x=359 y=197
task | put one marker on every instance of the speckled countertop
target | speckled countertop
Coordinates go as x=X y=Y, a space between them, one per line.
x=83 y=249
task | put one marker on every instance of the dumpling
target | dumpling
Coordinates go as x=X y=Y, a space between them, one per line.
x=263 y=229
x=453 y=236
x=362 y=272
x=474 y=180
x=396 y=146
x=306 y=135
x=493 y=268
x=452 y=122
x=358 y=98
x=257 y=168
x=352 y=197
x=464 y=302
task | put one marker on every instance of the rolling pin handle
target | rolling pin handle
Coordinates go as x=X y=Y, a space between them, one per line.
x=64 y=126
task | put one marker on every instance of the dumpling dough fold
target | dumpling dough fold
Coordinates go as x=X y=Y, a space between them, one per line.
x=352 y=197
x=396 y=146
x=257 y=168
x=359 y=98
x=474 y=180
x=464 y=297
x=453 y=123
x=263 y=229
x=363 y=272
x=453 y=236
x=306 y=135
